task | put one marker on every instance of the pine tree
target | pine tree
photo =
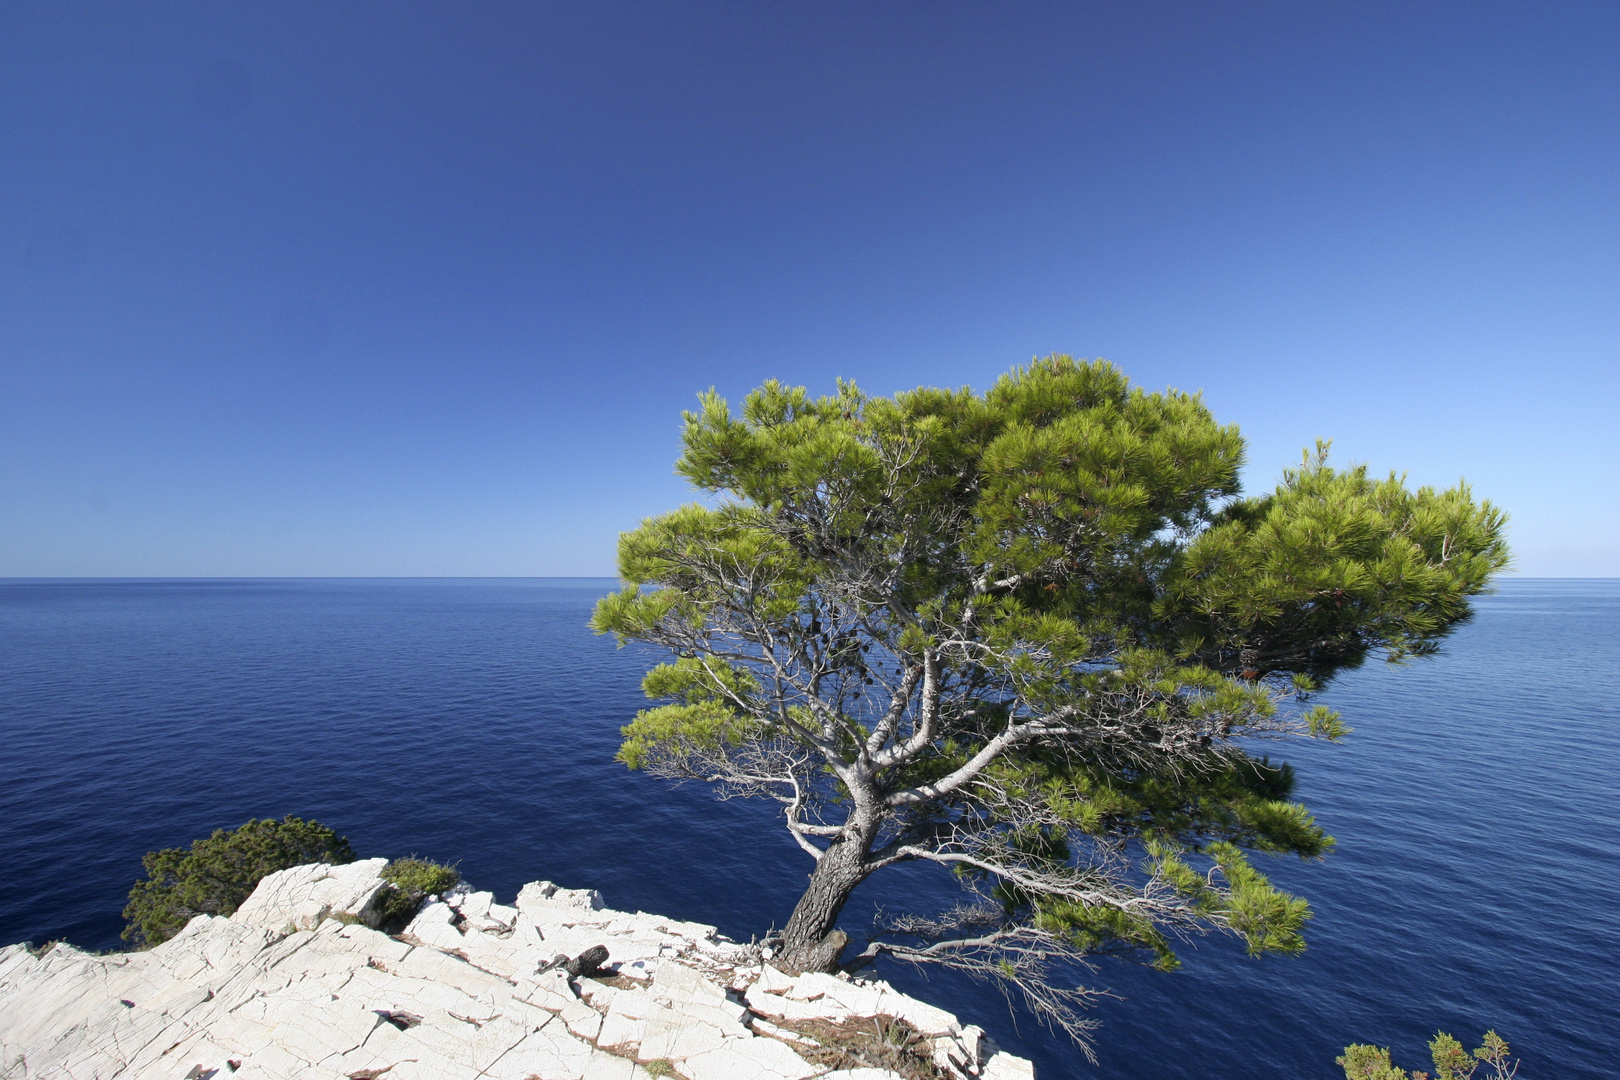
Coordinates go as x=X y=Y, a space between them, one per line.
x=1034 y=636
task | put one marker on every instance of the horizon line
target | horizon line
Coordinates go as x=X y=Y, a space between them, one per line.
x=514 y=577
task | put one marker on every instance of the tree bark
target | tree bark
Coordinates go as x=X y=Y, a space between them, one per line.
x=810 y=941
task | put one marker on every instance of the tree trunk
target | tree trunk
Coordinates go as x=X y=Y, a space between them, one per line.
x=810 y=941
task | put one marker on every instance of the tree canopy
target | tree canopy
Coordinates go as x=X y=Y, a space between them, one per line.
x=1037 y=636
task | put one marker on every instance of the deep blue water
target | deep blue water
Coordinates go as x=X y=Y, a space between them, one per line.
x=1476 y=882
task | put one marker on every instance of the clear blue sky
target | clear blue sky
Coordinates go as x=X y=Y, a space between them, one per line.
x=328 y=288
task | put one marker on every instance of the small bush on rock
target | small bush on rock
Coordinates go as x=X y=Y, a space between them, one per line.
x=410 y=881
x=421 y=876
x=217 y=874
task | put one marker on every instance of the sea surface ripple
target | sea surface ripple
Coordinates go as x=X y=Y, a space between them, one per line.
x=1476 y=881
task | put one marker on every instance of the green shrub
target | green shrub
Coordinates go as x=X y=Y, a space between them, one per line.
x=421 y=876
x=410 y=881
x=1363 y=1061
x=217 y=874
x=1451 y=1062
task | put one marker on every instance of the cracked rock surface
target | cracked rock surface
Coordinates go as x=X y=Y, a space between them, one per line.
x=295 y=984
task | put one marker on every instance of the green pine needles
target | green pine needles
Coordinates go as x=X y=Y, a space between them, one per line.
x=1036 y=636
x=215 y=875
x=1451 y=1062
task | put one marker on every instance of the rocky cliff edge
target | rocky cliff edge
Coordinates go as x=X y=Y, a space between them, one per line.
x=296 y=984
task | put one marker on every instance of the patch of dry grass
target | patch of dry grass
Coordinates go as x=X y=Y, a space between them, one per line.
x=871 y=1042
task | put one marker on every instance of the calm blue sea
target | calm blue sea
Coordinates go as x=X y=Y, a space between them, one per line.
x=1476 y=882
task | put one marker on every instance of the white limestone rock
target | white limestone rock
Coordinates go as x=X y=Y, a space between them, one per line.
x=773 y=980
x=582 y=1020
x=434 y=925
x=605 y=1066
x=678 y=1038
x=678 y=982
x=547 y=1052
x=748 y=1059
x=543 y=894
x=819 y=996
x=789 y=1009
x=696 y=997
x=475 y=905
x=301 y=897
x=292 y=986
x=926 y=1018
x=1004 y=1066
